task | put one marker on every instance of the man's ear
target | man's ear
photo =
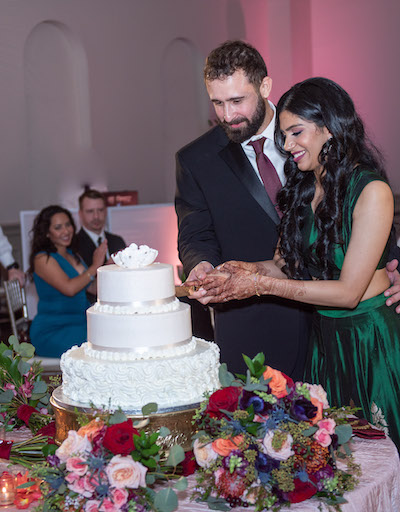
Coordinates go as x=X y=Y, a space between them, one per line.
x=265 y=87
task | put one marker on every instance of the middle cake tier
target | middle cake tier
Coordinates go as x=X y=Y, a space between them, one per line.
x=138 y=334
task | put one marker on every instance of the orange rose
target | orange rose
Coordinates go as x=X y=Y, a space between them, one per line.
x=225 y=446
x=91 y=429
x=319 y=405
x=277 y=383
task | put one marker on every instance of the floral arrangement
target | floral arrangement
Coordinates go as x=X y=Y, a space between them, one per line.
x=266 y=441
x=108 y=465
x=24 y=395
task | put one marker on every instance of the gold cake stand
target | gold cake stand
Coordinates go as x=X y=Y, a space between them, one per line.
x=177 y=419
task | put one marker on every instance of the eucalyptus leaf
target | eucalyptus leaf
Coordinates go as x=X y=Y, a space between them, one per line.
x=166 y=500
x=23 y=367
x=164 y=432
x=150 y=408
x=226 y=378
x=13 y=341
x=217 y=504
x=176 y=456
x=308 y=432
x=150 y=479
x=117 y=417
x=344 y=433
x=6 y=396
x=39 y=387
x=181 y=484
x=26 y=350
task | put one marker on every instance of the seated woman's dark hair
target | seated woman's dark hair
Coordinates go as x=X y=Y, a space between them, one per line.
x=325 y=103
x=41 y=225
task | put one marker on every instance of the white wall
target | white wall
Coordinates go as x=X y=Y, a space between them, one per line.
x=105 y=91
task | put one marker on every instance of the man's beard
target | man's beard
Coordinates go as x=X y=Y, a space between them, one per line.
x=250 y=127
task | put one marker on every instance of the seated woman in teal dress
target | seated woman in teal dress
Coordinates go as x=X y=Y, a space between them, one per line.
x=61 y=279
x=334 y=244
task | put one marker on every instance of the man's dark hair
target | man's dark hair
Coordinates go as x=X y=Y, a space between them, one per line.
x=91 y=193
x=232 y=56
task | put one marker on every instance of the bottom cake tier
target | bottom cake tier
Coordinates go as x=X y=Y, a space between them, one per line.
x=170 y=382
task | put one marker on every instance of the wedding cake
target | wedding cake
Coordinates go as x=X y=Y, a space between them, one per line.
x=139 y=347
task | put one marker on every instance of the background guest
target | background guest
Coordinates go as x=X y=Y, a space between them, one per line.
x=8 y=261
x=61 y=279
x=93 y=214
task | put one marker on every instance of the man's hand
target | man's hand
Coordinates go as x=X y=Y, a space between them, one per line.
x=394 y=291
x=197 y=274
x=16 y=273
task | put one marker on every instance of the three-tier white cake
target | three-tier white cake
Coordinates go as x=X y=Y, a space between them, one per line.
x=140 y=347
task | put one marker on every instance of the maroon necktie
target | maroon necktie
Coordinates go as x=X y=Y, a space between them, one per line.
x=268 y=173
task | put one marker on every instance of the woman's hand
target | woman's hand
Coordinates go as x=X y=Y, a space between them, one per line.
x=99 y=255
x=234 y=280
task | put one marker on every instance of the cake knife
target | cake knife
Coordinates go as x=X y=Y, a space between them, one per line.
x=184 y=291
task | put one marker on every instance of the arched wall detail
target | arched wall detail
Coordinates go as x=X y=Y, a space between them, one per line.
x=184 y=102
x=58 y=123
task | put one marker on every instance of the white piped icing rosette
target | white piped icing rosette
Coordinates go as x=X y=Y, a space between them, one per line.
x=134 y=256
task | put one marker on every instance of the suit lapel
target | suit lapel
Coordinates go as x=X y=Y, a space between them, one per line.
x=235 y=158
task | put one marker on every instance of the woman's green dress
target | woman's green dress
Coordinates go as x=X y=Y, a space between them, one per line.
x=355 y=354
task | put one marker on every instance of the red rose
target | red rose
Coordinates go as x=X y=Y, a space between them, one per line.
x=119 y=438
x=226 y=398
x=24 y=412
x=189 y=465
x=48 y=430
x=302 y=491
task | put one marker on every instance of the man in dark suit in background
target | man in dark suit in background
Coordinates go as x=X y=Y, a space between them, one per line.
x=93 y=214
x=225 y=212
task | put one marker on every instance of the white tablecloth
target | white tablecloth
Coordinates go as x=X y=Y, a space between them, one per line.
x=377 y=491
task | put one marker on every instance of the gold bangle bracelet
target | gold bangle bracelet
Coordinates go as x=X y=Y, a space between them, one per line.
x=255 y=285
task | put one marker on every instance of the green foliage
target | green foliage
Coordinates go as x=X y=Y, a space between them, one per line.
x=150 y=408
x=166 y=500
x=176 y=456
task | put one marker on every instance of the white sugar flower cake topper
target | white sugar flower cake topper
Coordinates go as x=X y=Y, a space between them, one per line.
x=134 y=256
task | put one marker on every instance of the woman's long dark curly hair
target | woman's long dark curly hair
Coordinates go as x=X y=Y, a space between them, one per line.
x=41 y=225
x=325 y=103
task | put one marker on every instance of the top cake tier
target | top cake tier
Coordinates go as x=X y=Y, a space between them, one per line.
x=117 y=285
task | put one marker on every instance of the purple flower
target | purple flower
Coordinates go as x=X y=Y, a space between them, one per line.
x=303 y=410
x=53 y=460
x=321 y=474
x=265 y=464
x=247 y=399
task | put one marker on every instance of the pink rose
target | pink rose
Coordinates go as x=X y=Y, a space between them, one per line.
x=90 y=482
x=77 y=465
x=322 y=437
x=285 y=450
x=71 y=478
x=204 y=453
x=119 y=497
x=329 y=425
x=78 y=486
x=125 y=472
x=92 y=506
x=73 y=445
x=108 y=506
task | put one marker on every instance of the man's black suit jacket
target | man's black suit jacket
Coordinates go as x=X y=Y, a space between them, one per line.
x=86 y=248
x=224 y=213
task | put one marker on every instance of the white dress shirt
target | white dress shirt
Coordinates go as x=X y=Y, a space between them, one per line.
x=269 y=149
x=6 y=257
